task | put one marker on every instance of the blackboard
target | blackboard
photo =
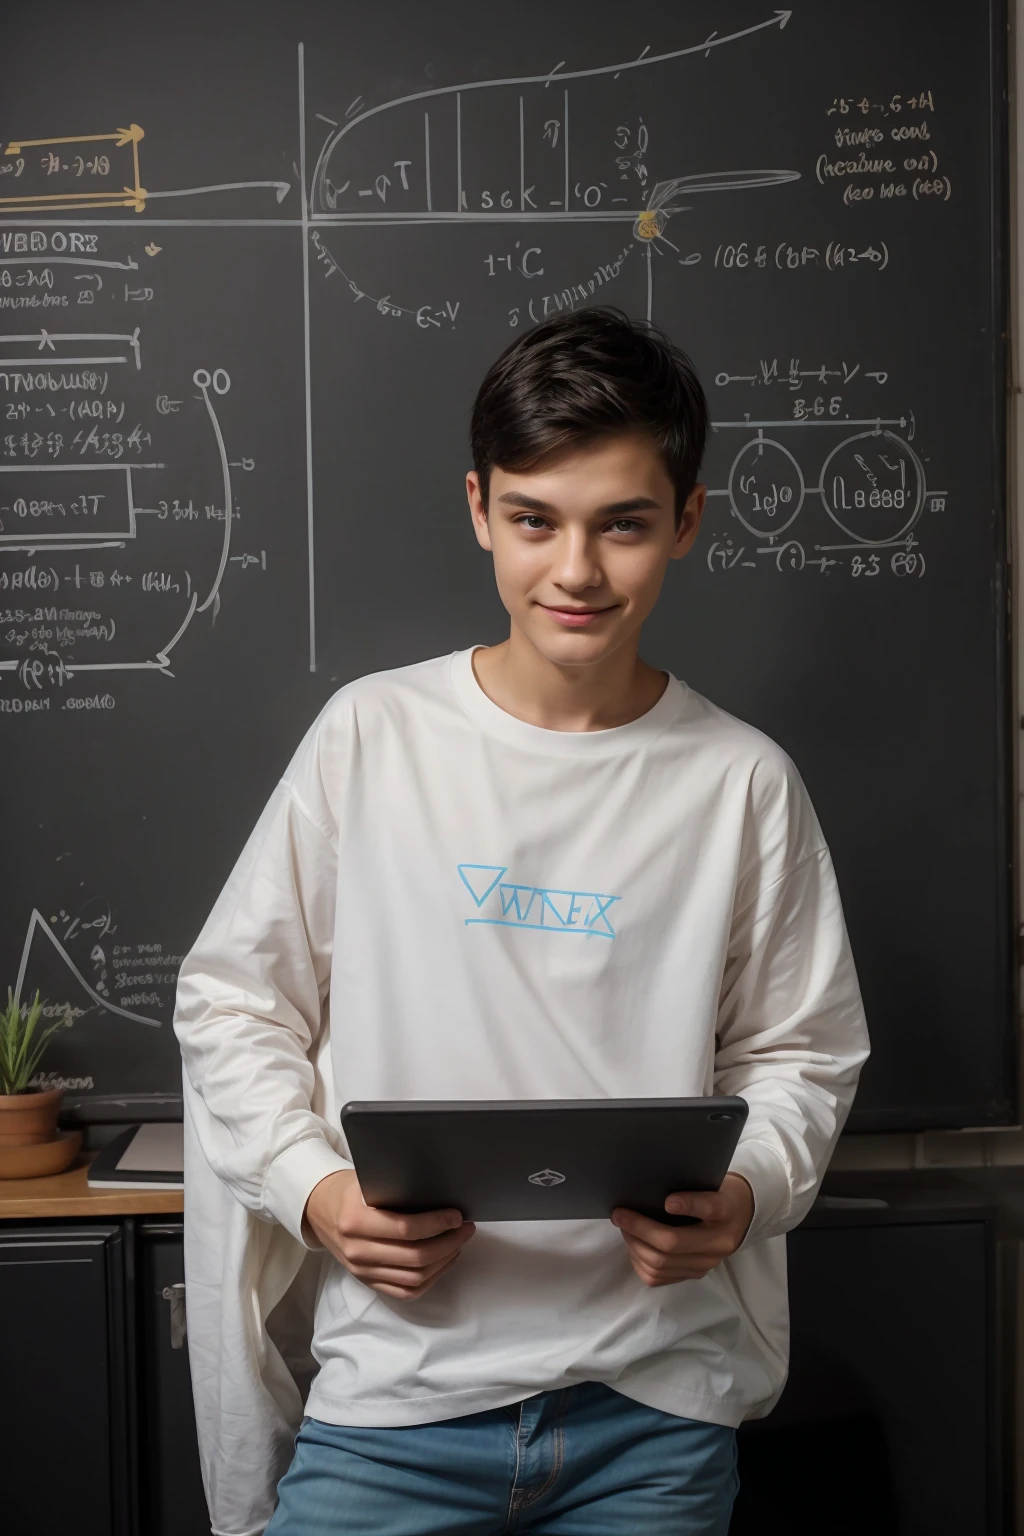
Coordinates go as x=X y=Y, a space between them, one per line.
x=253 y=263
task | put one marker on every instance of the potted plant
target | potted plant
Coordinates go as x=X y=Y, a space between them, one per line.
x=28 y=1116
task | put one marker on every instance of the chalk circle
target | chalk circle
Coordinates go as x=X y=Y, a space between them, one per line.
x=220 y=380
x=867 y=475
x=767 y=504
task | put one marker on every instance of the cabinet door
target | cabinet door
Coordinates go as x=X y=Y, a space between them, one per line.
x=172 y=1501
x=62 y=1407
x=887 y=1424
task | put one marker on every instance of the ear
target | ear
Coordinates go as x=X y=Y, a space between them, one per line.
x=689 y=523
x=477 y=510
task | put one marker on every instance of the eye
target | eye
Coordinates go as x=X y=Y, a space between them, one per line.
x=531 y=520
x=625 y=525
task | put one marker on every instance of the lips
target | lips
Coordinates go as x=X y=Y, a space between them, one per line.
x=576 y=618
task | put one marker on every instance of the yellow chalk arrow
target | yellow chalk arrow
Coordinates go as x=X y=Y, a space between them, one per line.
x=82 y=199
x=123 y=136
x=13 y=206
x=137 y=197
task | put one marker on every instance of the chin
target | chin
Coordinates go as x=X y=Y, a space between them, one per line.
x=575 y=647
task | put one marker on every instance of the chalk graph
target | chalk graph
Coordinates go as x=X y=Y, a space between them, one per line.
x=337 y=190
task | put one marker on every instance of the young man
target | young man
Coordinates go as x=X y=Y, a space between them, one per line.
x=543 y=869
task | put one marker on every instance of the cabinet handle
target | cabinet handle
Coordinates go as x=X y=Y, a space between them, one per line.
x=175 y=1294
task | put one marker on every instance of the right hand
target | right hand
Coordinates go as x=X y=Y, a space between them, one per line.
x=398 y=1254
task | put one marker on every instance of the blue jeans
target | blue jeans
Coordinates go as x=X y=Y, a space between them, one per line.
x=578 y=1461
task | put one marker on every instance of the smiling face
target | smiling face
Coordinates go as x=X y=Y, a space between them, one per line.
x=581 y=542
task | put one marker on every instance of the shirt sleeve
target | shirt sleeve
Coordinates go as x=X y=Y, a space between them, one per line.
x=249 y=1011
x=792 y=1038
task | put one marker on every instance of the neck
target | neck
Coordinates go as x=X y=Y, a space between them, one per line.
x=523 y=682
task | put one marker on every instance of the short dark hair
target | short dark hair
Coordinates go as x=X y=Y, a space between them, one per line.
x=584 y=375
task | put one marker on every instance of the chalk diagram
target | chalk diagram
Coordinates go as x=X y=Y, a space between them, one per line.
x=39 y=927
x=91 y=506
x=93 y=157
x=435 y=185
x=55 y=509
x=872 y=486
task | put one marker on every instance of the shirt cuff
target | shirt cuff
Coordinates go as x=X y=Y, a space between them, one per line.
x=292 y=1177
x=763 y=1168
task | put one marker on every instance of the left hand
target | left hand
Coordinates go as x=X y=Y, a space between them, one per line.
x=661 y=1254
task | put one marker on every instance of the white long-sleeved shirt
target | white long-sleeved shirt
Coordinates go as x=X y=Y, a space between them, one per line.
x=493 y=910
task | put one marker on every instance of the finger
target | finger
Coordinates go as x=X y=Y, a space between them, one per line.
x=671 y=1274
x=405 y=1274
x=376 y=1275
x=402 y=1291
x=648 y=1276
x=379 y=1275
x=715 y=1247
x=658 y=1259
x=705 y=1206
x=658 y=1233
x=398 y=1274
x=368 y=1252
x=400 y=1226
x=651 y=1278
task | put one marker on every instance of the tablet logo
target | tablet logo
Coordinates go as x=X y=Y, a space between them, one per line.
x=547 y=1177
x=511 y=905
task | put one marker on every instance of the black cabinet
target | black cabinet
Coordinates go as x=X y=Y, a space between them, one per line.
x=64 y=1403
x=890 y=1422
x=97 y=1427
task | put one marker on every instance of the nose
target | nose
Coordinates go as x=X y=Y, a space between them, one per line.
x=575 y=567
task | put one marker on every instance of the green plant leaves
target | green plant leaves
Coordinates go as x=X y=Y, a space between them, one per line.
x=18 y=1056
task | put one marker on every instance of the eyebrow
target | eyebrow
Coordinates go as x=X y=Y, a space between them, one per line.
x=613 y=509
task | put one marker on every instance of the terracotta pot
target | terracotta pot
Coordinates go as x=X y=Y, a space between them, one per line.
x=29 y=1118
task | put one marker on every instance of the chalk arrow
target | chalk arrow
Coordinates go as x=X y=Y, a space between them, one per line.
x=783 y=18
x=120 y=136
x=281 y=189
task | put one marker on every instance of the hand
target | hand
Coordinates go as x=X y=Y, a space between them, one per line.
x=395 y=1254
x=661 y=1254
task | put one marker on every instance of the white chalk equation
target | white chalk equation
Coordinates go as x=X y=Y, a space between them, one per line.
x=95 y=556
x=869 y=481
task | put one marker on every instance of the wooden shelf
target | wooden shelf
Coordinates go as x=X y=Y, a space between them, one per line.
x=68 y=1194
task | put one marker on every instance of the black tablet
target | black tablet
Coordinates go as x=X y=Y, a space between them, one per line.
x=541 y=1159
